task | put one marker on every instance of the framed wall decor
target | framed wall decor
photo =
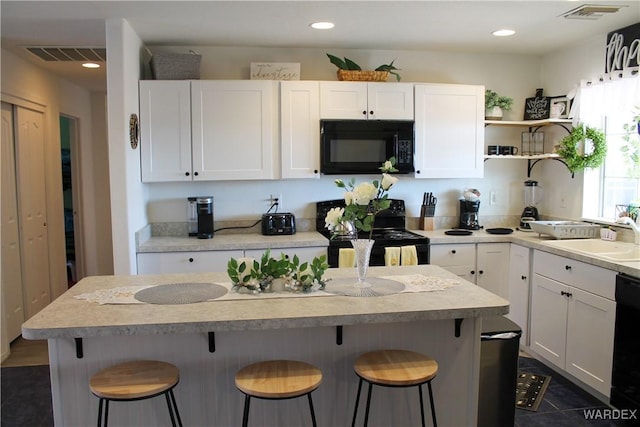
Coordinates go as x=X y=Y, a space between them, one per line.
x=559 y=108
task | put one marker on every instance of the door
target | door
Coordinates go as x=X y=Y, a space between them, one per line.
x=343 y=100
x=449 y=128
x=492 y=267
x=300 y=129
x=12 y=304
x=549 y=307
x=390 y=101
x=34 y=243
x=518 y=288
x=234 y=129
x=165 y=130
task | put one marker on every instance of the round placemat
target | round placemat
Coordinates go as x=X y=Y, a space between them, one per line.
x=379 y=287
x=180 y=293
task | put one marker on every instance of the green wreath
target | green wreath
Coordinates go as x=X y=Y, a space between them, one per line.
x=567 y=149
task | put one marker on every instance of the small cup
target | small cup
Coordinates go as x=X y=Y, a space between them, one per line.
x=493 y=149
x=508 y=150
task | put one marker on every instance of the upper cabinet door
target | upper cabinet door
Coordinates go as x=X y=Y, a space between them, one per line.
x=234 y=129
x=165 y=130
x=449 y=131
x=343 y=100
x=300 y=129
x=362 y=101
x=390 y=101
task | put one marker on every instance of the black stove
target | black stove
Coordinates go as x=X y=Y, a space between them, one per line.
x=389 y=230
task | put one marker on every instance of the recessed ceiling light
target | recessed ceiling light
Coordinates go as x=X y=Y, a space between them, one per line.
x=91 y=65
x=322 y=25
x=503 y=33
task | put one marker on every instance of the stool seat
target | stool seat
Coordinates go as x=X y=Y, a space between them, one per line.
x=278 y=379
x=396 y=367
x=134 y=380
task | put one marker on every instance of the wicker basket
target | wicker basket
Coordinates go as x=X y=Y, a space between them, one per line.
x=363 y=76
x=175 y=66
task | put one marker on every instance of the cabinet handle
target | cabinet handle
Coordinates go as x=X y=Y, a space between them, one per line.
x=566 y=294
x=567 y=267
x=371 y=112
x=569 y=294
x=523 y=277
x=453 y=251
x=190 y=259
x=473 y=272
x=418 y=172
x=315 y=171
x=186 y=174
x=195 y=174
x=481 y=272
x=364 y=112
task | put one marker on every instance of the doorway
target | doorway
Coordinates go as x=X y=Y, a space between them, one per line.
x=69 y=153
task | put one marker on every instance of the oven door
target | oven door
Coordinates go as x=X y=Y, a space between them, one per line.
x=625 y=381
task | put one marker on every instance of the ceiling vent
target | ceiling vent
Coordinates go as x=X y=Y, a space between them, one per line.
x=95 y=54
x=591 y=11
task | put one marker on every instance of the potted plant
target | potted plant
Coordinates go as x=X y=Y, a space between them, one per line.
x=349 y=70
x=495 y=104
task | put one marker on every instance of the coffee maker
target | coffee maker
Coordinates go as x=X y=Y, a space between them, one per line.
x=200 y=216
x=469 y=214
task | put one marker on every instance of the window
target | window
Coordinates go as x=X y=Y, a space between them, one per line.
x=613 y=107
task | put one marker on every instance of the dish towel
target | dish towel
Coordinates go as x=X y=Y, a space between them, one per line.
x=392 y=256
x=346 y=258
x=409 y=255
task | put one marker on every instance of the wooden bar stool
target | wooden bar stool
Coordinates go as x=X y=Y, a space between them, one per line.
x=395 y=368
x=136 y=380
x=278 y=379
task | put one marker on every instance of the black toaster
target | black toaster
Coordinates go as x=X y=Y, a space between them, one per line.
x=278 y=224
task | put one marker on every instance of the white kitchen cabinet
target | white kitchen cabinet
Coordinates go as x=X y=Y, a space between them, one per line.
x=573 y=317
x=234 y=129
x=519 y=288
x=362 y=100
x=492 y=267
x=458 y=258
x=165 y=130
x=185 y=262
x=449 y=131
x=300 y=129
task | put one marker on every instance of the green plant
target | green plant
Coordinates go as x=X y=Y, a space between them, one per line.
x=631 y=148
x=575 y=160
x=348 y=64
x=492 y=99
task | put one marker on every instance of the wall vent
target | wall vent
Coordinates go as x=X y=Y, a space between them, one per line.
x=48 y=53
x=590 y=11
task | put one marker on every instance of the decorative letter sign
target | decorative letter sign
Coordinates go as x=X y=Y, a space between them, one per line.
x=623 y=49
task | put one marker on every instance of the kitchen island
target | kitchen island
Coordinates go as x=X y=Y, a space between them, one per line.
x=209 y=341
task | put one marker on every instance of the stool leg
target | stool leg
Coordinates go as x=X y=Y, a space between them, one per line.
x=433 y=407
x=421 y=406
x=366 y=413
x=173 y=420
x=175 y=407
x=313 y=414
x=100 y=413
x=245 y=414
x=355 y=410
x=106 y=412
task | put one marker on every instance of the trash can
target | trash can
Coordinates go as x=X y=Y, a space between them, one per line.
x=499 y=348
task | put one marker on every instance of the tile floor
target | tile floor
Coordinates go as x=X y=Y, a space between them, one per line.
x=564 y=403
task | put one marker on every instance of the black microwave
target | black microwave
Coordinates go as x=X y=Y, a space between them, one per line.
x=361 y=146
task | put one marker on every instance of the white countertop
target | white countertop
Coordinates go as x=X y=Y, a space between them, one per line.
x=71 y=317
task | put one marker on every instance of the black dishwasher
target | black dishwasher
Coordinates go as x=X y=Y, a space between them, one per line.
x=625 y=381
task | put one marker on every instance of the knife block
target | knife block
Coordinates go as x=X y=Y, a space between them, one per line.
x=426 y=217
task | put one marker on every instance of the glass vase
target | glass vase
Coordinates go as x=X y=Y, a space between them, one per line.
x=363 y=253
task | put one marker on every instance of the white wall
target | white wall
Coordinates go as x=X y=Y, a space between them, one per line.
x=127 y=192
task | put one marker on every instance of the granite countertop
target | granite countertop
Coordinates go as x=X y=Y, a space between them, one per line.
x=232 y=241
x=70 y=317
x=531 y=240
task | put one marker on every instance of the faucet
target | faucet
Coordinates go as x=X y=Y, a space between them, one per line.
x=636 y=230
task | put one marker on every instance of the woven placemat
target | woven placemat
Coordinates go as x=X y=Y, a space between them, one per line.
x=530 y=390
x=379 y=287
x=180 y=293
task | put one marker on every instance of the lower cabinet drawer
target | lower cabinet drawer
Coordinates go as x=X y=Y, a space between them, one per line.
x=185 y=262
x=453 y=255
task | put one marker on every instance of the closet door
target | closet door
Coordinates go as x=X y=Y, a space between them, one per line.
x=12 y=305
x=30 y=172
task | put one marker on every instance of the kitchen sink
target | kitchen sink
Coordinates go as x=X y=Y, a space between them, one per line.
x=615 y=251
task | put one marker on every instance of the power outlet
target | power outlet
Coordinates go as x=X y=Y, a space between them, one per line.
x=278 y=198
x=493 y=200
